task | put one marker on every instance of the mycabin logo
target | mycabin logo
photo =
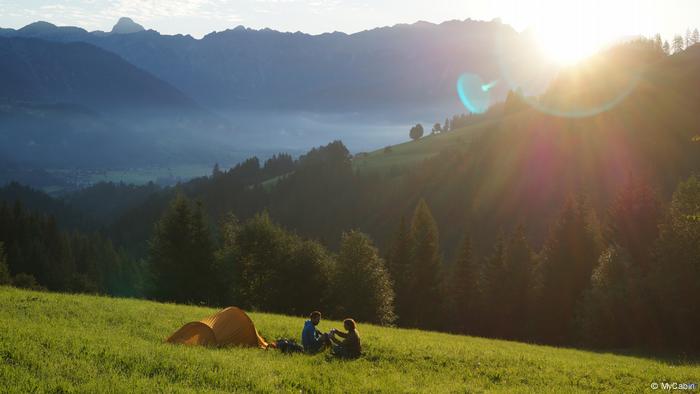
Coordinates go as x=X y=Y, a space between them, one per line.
x=672 y=386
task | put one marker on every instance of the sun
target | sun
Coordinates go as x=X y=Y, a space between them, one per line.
x=571 y=31
x=564 y=49
x=570 y=44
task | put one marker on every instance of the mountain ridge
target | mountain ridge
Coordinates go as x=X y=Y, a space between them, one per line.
x=404 y=66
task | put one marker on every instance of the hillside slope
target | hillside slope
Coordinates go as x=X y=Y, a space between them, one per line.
x=45 y=72
x=68 y=105
x=64 y=343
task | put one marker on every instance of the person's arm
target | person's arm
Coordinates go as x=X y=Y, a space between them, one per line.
x=306 y=337
x=341 y=334
x=333 y=340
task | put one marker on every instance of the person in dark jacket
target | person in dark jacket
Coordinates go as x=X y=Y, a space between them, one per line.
x=312 y=339
x=350 y=346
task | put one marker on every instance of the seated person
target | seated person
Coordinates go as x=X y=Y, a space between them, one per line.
x=350 y=347
x=312 y=339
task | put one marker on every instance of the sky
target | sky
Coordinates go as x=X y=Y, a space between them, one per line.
x=585 y=23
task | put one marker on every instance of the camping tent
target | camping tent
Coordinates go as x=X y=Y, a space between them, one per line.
x=229 y=327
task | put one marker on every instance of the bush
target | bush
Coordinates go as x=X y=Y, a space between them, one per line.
x=26 y=281
x=274 y=270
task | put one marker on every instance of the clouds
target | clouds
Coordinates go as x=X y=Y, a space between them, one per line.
x=102 y=14
x=196 y=17
x=199 y=17
x=154 y=9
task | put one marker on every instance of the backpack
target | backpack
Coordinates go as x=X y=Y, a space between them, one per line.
x=289 y=346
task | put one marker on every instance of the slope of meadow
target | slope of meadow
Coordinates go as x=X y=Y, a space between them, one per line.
x=413 y=152
x=77 y=343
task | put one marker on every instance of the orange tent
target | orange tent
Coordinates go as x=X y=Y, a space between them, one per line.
x=229 y=327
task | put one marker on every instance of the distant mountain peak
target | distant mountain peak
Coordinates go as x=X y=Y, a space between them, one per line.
x=126 y=25
x=39 y=26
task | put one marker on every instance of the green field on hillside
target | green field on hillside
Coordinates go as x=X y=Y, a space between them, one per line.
x=401 y=156
x=77 y=343
x=412 y=152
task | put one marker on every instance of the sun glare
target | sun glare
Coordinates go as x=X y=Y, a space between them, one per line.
x=567 y=48
x=572 y=31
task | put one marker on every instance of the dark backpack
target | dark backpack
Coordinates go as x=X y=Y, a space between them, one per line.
x=289 y=346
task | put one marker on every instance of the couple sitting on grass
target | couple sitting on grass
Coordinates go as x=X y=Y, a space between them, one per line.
x=315 y=341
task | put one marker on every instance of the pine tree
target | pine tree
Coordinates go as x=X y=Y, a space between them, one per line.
x=5 y=278
x=614 y=311
x=695 y=37
x=216 y=171
x=425 y=298
x=181 y=255
x=518 y=262
x=492 y=296
x=398 y=264
x=658 y=42
x=362 y=281
x=666 y=48
x=678 y=44
x=634 y=220
x=675 y=275
x=568 y=259
x=463 y=290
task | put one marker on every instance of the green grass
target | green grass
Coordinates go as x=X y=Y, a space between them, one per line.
x=413 y=152
x=270 y=183
x=77 y=343
x=404 y=155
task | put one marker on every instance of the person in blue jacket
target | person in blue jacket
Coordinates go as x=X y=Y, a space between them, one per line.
x=312 y=339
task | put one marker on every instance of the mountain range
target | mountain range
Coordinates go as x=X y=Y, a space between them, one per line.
x=45 y=72
x=403 y=66
x=131 y=97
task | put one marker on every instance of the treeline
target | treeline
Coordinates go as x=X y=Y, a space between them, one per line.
x=68 y=217
x=630 y=279
x=235 y=189
x=39 y=255
x=259 y=265
x=460 y=121
x=104 y=202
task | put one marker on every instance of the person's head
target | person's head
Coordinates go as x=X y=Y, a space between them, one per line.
x=315 y=317
x=349 y=324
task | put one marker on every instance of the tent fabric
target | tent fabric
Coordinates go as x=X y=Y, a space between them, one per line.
x=229 y=327
x=194 y=333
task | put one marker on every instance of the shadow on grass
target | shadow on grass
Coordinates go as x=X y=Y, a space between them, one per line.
x=669 y=357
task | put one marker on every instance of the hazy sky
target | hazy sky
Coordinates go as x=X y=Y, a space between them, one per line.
x=198 y=17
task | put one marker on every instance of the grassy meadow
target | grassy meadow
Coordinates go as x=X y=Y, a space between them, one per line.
x=413 y=152
x=77 y=343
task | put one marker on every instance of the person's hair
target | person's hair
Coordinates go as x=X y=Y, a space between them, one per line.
x=350 y=324
x=315 y=314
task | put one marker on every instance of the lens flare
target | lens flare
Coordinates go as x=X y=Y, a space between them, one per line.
x=474 y=93
x=534 y=81
x=488 y=86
